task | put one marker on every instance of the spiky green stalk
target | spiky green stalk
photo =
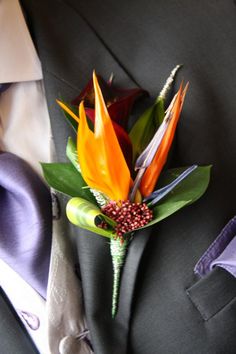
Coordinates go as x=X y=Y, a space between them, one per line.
x=164 y=92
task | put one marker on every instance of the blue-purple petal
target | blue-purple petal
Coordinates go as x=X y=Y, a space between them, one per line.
x=146 y=157
x=162 y=192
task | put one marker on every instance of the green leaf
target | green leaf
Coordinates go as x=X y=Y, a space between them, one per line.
x=88 y=216
x=187 y=192
x=66 y=179
x=146 y=126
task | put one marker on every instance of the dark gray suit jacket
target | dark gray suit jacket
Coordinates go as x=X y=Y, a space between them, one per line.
x=164 y=307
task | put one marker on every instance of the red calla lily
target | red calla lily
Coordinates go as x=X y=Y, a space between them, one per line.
x=119 y=102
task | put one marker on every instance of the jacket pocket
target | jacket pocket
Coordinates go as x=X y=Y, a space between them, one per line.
x=213 y=292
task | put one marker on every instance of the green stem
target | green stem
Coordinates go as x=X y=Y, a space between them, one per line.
x=118 y=253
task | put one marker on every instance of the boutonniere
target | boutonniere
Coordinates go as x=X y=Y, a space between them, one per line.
x=112 y=174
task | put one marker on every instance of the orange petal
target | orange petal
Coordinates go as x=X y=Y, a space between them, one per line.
x=103 y=165
x=153 y=171
x=86 y=146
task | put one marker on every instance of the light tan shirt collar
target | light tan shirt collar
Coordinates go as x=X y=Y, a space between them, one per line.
x=18 y=58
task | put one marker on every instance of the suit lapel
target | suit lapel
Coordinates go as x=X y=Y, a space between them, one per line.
x=69 y=51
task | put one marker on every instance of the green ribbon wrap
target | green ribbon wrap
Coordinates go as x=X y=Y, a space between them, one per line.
x=118 y=254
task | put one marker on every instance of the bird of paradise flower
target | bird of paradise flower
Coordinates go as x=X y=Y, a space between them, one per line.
x=114 y=204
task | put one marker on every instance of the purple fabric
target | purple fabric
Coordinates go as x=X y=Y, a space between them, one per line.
x=222 y=252
x=227 y=259
x=4 y=87
x=25 y=221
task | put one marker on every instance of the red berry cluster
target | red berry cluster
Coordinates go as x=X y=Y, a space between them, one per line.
x=129 y=216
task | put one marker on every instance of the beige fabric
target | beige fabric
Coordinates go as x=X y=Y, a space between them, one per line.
x=24 y=123
x=64 y=304
x=19 y=60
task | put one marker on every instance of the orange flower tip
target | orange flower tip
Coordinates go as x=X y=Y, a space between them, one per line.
x=67 y=110
x=185 y=88
x=95 y=81
x=81 y=109
x=183 y=94
x=94 y=75
x=81 y=105
x=59 y=102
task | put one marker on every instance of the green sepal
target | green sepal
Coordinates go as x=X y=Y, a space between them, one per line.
x=71 y=153
x=86 y=215
x=64 y=178
x=187 y=192
x=146 y=126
